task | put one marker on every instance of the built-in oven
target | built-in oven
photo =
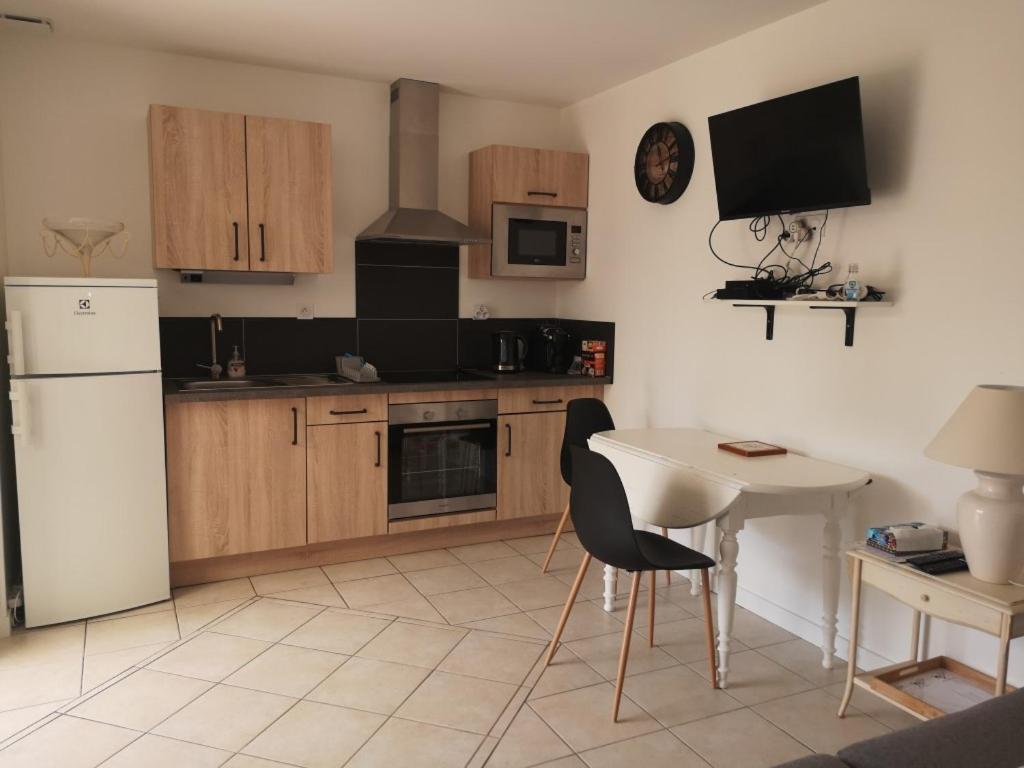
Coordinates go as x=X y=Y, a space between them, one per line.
x=442 y=457
x=538 y=241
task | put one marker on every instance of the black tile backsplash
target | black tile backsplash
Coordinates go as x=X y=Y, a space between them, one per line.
x=410 y=345
x=185 y=342
x=407 y=281
x=280 y=345
x=276 y=345
x=475 y=337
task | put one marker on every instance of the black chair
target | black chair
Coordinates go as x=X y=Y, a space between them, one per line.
x=600 y=514
x=584 y=417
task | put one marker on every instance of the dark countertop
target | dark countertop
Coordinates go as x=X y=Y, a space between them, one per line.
x=173 y=392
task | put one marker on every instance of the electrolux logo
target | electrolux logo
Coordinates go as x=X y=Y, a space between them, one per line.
x=85 y=307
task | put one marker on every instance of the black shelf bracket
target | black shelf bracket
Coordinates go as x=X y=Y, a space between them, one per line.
x=769 y=310
x=851 y=320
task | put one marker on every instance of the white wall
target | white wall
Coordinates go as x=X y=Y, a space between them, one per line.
x=944 y=116
x=6 y=446
x=74 y=133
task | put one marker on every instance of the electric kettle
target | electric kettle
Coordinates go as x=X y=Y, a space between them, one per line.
x=509 y=351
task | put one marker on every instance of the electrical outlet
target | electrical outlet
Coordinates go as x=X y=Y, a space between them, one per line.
x=800 y=231
x=15 y=601
x=307 y=312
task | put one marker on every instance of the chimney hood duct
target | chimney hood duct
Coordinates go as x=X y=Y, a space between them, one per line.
x=412 y=214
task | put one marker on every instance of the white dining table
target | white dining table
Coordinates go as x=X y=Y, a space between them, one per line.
x=680 y=478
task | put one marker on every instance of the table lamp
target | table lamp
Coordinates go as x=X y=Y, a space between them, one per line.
x=986 y=434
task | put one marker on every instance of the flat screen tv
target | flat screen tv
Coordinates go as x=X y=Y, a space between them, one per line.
x=801 y=152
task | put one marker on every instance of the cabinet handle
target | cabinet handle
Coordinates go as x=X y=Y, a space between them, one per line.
x=543 y=194
x=263 y=243
x=295 y=426
x=234 y=226
x=548 y=402
x=508 y=437
x=377 y=435
x=347 y=413
x=925 y=598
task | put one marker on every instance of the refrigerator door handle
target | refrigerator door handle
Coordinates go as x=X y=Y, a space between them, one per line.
x=16 y=340
x=18 y=416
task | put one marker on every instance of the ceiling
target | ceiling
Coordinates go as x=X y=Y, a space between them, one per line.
x=542 y=51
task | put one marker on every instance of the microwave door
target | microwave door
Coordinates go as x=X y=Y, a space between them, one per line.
x=538 y=241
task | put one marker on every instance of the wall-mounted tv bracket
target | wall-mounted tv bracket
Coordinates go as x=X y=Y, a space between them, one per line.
x=769 y=323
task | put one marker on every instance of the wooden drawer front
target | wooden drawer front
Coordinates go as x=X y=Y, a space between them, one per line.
x=540 y=399
x=346 y=409
x=932 y=599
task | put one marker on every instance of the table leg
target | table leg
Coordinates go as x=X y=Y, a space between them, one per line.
x=1004 y=656
x=729 y=549
x=610 y=579
x=830 y=574
x=851 y=664
x=697 y=535
x=915 y=637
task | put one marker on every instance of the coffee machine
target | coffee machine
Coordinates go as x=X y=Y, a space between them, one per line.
x=551 y=349
x=509 y=351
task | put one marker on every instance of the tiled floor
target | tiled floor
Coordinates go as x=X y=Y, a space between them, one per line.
x=429 y=659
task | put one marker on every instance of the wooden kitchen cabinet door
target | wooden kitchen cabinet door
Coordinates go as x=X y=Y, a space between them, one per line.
x=539 y=177
x=529 y=474
x=347 y=478
x=290 y=208
x=198 y=188
x=236 y=476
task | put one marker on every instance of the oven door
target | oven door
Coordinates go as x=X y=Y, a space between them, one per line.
x=538 y=241
x=441 y=468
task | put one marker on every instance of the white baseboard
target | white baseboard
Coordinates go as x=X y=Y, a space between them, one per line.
x=804 y=628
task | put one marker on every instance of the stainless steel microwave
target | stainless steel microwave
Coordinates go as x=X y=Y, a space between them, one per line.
x=538 y=241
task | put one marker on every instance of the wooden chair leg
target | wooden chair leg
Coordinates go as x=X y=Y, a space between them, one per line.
x=568 y=607
x=554 y=540
x=650 y=610
x=705 y=583
x=624 y=653
x=668 y=574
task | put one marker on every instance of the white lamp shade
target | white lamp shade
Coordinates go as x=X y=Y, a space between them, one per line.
x=985 y=433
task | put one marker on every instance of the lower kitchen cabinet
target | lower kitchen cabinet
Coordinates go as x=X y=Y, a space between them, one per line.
x=236 y=476
x=347 y=479
x=529 y=474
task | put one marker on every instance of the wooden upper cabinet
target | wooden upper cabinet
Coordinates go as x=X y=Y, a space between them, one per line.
x=236 y=476
x=237 y=192
x=529 y=469
x=197 y=176
x=538 y=176
x=290 y=209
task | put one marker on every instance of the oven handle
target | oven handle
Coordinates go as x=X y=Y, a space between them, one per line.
x=446 y=428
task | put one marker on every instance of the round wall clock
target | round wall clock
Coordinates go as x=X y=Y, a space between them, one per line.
x=664 y=163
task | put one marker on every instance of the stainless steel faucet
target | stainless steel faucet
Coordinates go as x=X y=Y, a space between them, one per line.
x=216 y=326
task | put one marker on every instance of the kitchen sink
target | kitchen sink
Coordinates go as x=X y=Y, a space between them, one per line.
x=227 y=384
x=298 y=380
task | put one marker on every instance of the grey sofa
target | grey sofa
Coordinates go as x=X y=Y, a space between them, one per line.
x=989 y=735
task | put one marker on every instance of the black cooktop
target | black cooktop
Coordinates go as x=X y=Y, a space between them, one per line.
x=431 y=377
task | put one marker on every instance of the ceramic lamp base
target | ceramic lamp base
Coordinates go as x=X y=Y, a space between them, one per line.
x=991 y=520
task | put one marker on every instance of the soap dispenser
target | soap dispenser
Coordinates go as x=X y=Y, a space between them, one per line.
x=236 y=365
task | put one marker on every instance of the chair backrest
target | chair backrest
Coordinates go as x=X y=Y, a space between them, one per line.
x=600 y=511
x=583 y=417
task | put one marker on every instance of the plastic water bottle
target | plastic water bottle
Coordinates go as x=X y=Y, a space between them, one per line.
x=851 y=288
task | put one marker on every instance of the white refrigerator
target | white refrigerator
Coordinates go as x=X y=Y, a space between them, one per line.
x=87 y=418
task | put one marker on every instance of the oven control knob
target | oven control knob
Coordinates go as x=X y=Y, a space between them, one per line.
x=575 y=251
x=428 y=415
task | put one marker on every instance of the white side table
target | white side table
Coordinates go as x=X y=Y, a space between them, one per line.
x=996 y=609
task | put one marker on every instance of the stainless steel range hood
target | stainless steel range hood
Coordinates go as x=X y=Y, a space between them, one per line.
x=412 y=214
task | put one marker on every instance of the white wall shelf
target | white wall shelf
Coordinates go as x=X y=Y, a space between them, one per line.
x=849 y=309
